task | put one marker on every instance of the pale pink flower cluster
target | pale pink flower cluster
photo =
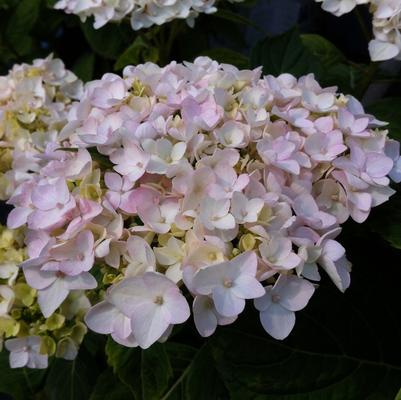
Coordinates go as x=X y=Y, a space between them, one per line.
x=34 y=101
x=386 y=21
x=142 y=13
x=200 y=186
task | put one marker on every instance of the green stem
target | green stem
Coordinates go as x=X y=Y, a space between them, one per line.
x=367 y=79
x=362 y=24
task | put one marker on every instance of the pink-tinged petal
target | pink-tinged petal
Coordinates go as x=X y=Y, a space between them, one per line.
x=226 y=302
x=305 y=205
x=113 y=181
x=289 y=262
x=264 y=302
x=378 y=165
x=83 y=281
x=245 y=263
x=18 y=359
x=85 y=242
x=177 y=305
x=363 y=201
x=50 y=299
x=206 y=279
x=148 y=324
x=333 y=250
x=330 y=267
x=101 y=317
x=36 y=278
x=129 y=341
x=296 y=292
x=122 y=326
x=130 y=294
x=226 y=222
x=18 y=217
x=277 y=321
x=204 y=317
x=247 y=287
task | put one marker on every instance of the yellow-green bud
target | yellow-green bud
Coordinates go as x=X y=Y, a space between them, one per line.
x=247 y=242
x=55 y=321
x=47 y=346
x=25 y=294
x=9 y=327
x=78 y=332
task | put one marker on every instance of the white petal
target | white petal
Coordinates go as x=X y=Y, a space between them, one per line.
x=50 y=299
x=277 y=321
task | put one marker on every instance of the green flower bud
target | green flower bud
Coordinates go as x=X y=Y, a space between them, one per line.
x=67 y=349
x=25 y=294
x=8 y=327
x=247 y=242
x=47 y=346
x=55 y=321
x=78 y=332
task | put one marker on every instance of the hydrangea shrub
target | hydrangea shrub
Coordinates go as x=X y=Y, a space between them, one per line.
x=182 y=190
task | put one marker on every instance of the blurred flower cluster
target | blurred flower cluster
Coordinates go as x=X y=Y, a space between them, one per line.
x=34 y=100
x=386 y=22
x=142 y=13
x=196 y=185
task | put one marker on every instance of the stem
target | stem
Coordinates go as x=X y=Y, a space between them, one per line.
x=362 y=24
x=368 y=78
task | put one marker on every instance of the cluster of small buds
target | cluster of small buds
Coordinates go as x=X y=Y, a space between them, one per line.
x=34 y=100
x=30 y=337
x=142 y=13
x=386 y=21
x=200 y=182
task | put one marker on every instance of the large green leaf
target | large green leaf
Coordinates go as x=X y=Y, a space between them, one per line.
x=386 y=221
x=109 y=387
x=203 y=381
x=327 y=53
x=72 y=380
x=138 y=52
x=389 y=110
x=20 y=24
x=84 y=66
x=146 y=372
x=344 y=346
x=284 y=54
x=21 y=383
x=108 y=41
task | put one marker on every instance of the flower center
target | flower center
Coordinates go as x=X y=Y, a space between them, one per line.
x=275 y=298
x=227 y=283
x=159 y=300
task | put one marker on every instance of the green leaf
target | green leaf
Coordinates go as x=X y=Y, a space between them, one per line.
x=20 y=24
x=236 y=18
x=21 y=382
x=386 y=221
x=204 y=381
x=138 y=52
x=389 y=110
x=84 y=66
x=343 y=346
x=327 y=53
x=109 y=387
x=227 y=56
x=398 y=397
x=284 y=54
x=146 y=372
x=72 y=380
x=107 y=41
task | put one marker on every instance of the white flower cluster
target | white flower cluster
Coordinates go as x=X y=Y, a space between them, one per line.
x=143 y=13
x=34 y=101
x=386 y=22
